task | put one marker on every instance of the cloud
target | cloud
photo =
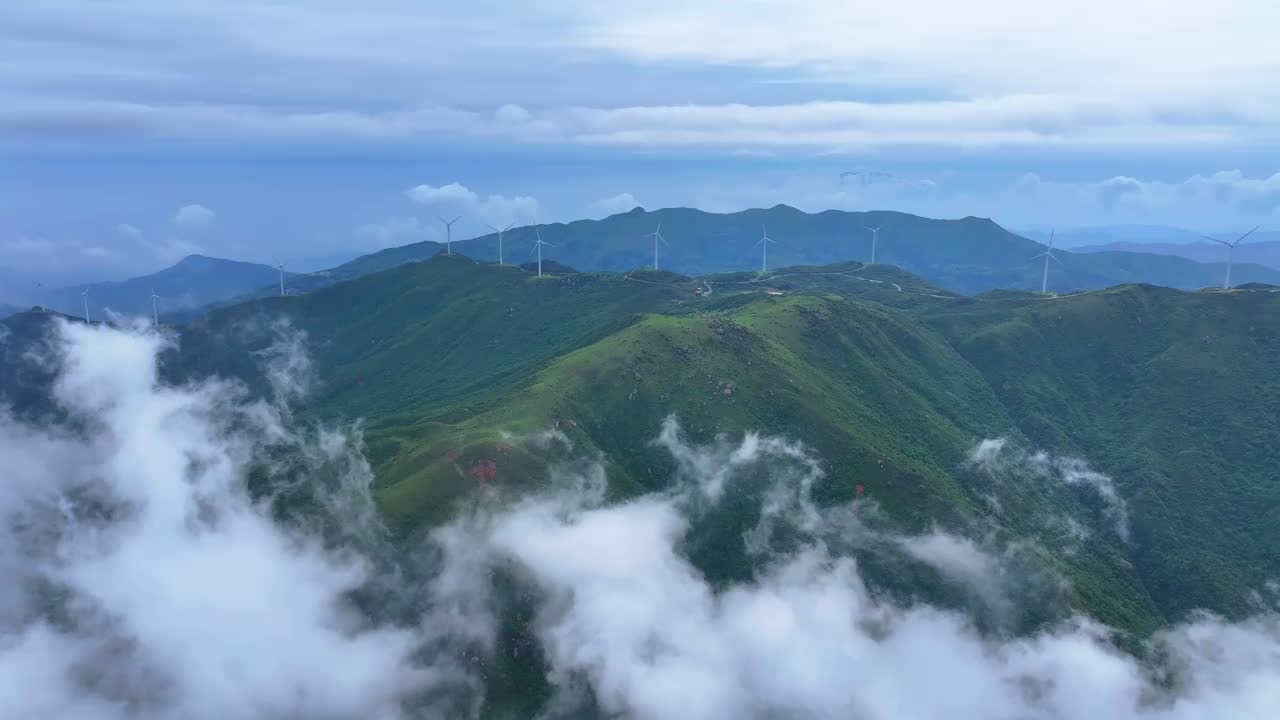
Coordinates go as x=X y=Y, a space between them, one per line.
x=193 y=216
x=620 y=203
x=492 y=210
x=144 y=581
x=629 y=625
x=167 y=250
x=1000 y=459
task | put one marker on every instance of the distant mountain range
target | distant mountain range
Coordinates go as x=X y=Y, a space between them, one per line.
x=192 y=283
x=1265 y=253
x=1262 y=247
x=969 y=255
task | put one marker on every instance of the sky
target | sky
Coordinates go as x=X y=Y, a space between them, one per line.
x=135 y=132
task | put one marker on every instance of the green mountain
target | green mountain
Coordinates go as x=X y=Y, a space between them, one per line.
x=193 y=282
x=891 y=381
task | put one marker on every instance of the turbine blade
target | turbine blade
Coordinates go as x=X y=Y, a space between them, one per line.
x=1220 y=242
x=1242 y=237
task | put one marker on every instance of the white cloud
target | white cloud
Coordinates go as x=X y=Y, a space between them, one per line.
x=620 y=203
x=143 y=582
x=164 y=251
x=179 y=596
x=625 y=611
x=1000 y=459
x=193 y=216
x=494 y=210
x=1223 y=194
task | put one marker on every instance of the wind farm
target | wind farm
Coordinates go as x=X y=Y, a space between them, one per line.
x=1231 y=253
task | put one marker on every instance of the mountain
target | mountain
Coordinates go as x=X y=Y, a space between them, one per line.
x=193 y=282
x=1165 y=395
x=1116 y=447
x=1073 y=238
x=970 y=255
x=7 y=310
x=1259 y=252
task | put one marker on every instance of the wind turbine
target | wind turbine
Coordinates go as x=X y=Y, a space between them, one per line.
x=539 y=245
x=155 y=309
x=1047 y=255
x=763 y=242
x=500 y=231
x=84 y=294
x=875 y=239
x=280 y=267
x=657 y=237
x=1231 y=252
x=448 y=233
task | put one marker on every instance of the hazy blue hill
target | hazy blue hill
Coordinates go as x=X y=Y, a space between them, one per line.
x=193 y=282
x=7 y=310
x=1254 y=250
x=968 y=255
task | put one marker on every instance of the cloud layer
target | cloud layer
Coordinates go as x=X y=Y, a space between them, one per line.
x=146 y=582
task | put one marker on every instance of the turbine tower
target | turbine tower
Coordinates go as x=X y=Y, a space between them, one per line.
x=1231 y=253
x=84 y=294
x=500 y=232
x=280 y=267
x=1047 y=255
x=763 y=242
x=538 y=245
x=155 y=309
x=875 y=239
x=657 y=237
x=448 y=233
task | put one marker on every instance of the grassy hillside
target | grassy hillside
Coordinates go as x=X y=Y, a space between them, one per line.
x=889 y=379
x=1174 y=395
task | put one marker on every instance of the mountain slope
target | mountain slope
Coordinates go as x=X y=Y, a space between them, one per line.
x=890 y=381
x=1171 y=393
x=193 y=282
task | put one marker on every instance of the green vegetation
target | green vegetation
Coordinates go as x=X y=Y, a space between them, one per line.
x=890 y=380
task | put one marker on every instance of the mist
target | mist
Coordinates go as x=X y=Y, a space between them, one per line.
x=194 y=551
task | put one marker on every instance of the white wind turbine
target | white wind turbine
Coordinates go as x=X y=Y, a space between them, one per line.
x=657 y=237
x=155 y=308
x=875 y=240
x=538 y=245
x=280 y=267
x=1047 y=255
x=1231 y=253
x=448 y=233
x=84 y=294
x=500 y=231
x=763 y=242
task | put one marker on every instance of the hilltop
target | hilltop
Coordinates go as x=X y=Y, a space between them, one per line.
x=967 y=255
x=193 y=282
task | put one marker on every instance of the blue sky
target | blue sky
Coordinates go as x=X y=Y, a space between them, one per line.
x=135 y=132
